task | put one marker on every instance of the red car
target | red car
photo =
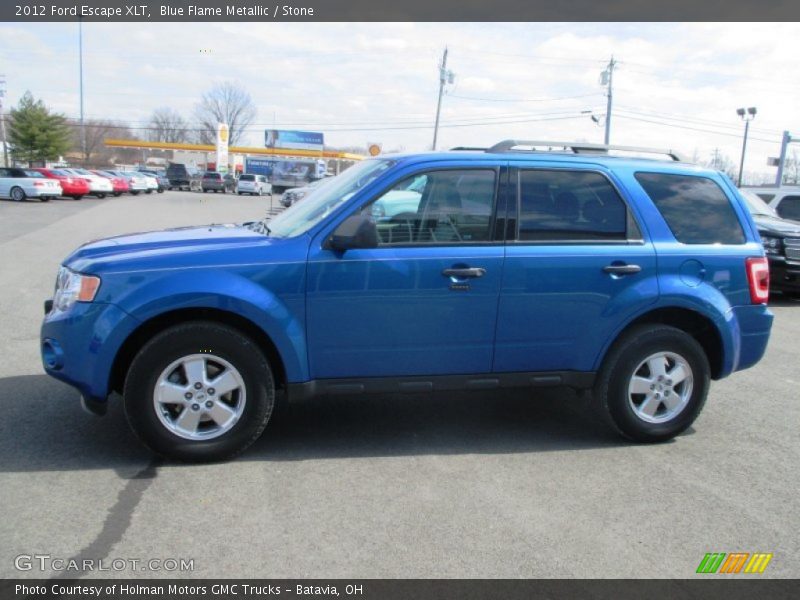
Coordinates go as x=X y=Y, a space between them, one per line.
x=120 y=184
x=71 y=186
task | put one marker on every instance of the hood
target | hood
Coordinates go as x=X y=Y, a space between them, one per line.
x=157 y=246
x=776 y=225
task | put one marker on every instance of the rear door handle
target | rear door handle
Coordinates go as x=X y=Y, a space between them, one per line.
x=465 y=273
x=615 y=269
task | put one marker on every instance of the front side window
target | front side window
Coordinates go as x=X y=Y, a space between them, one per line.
x=789 y=208
x=437 y=207
x=695 y=208
x=569 y=206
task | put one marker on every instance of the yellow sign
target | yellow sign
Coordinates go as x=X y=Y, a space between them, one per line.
x=374 y=149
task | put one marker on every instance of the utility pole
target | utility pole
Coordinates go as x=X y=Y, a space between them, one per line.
x=3 y=119
x=80 y=69
x=607 y=79
x=445 y=77
x=747 y=115
x=787 y=139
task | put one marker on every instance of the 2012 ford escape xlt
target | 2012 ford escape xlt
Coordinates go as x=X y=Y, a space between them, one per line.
x=528 y=264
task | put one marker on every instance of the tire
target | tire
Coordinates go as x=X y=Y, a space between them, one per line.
x=199 y=342
x=160 y=190
x=148 y=191
x=674 y=404
x=44 y=198
x=117 y=194
x=76 y=197
x=17 y=194
x=101 y=196
x=135 y=192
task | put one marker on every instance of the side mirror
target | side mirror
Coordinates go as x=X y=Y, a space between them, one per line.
x=358 y=231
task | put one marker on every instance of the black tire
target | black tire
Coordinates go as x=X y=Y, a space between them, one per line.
x=611 y=388
x=101 y=196
x=117 y=194
x=183 y=340
x=148 y=191
x=44 y=198
x=160 y=190
x=76 y=197
x=17 y=194
x=135 y=192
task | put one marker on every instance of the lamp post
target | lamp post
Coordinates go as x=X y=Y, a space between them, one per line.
x=747 y=115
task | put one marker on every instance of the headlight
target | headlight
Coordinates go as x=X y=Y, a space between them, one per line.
x=772 y=245
x=72 y=287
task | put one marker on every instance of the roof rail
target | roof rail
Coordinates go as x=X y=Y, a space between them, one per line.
x=578 y=148
x=467 y=149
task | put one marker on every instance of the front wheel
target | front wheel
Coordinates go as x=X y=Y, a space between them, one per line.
x=76 y=197
x=654 y=383
x=199 y=391
x=117 y=194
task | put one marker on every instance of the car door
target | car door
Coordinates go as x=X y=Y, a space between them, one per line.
x=578 y=267
x=424 y=302
x=5 y=182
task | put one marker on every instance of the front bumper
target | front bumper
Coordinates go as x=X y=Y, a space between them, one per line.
x=79 y=346
x=783 y=275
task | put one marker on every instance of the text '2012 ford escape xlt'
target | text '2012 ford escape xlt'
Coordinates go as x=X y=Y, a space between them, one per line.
x=528 y=264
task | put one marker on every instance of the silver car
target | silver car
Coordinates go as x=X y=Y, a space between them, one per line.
x=255 y=185
x=19 y=184
x=294 y=195
x=137 y=182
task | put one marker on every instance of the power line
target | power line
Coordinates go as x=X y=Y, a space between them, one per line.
x=523 y=99
x=725 y=133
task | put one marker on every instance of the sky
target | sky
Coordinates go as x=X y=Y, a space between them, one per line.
x=677 y=85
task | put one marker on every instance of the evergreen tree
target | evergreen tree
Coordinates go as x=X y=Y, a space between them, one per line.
x=36 y=134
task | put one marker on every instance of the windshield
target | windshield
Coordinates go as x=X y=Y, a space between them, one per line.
x=757 y=206
x=327 y=198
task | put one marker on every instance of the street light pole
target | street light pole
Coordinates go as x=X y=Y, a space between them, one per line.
x=608 y=77
x=3 y=119
x=747 y=115
x=80 y=69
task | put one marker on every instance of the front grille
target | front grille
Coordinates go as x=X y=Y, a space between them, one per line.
x=792 y=246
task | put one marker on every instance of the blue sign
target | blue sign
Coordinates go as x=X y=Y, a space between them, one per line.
x=298 y=140
x=259 y=166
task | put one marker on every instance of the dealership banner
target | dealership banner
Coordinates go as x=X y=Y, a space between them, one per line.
x=294 y=140
x=397 y=589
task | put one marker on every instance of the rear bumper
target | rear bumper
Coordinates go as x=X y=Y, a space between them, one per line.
x=754 y=324
x=40 y=192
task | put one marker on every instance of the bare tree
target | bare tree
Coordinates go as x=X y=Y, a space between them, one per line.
x=722 y=162
x=167 y=125
x=95 y=152
x=791 y=169
x=224 y=103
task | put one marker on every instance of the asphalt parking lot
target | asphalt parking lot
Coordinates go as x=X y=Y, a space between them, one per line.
x=467 y=485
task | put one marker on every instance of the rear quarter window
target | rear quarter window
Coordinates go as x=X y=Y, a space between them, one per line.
x=695 y=208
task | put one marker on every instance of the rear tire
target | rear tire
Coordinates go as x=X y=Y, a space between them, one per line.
x=186 y=429
x=76 y=197
x=101 y=196
x=653 y=384
x=44 y=198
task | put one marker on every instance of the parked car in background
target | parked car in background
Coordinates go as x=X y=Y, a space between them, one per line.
x=785 y=199
x=136 y=181
x=217 y=182
x=152 y=182
x=20 y=184
x=781 y=240
x=161 y=179
x=255 y=185
x=119 y=184
x=294 y=195
x=72 y=186
x=98 y=186
x=637 y=280
x=180 y=177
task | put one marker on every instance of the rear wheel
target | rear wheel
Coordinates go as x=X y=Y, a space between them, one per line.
x=77 y=196
x=653 y=383
x=17 y=194
x=44 y=198
x=135 y=192
x=101 y=196
x=199 y=391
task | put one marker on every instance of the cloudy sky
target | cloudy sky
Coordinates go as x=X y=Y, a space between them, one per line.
x=677 y=85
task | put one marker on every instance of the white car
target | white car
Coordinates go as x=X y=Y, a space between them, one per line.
x=151 y=182
x=785 y=199
x=98 y=186
x=19 y=184
x=137 y=182
x=255 y=185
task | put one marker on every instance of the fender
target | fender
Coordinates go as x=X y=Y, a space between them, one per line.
x=280 y=316
x=707 y=301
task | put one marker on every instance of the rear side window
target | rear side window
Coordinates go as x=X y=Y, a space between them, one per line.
x=569 y=205
x=789 y=208
x=696 y=209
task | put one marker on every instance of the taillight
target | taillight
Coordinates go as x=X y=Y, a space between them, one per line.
x=38 y=184
x=758 y=278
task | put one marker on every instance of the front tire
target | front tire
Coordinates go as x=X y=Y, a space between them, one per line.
x=653 y=383
x=199 y=392
x=17 y=194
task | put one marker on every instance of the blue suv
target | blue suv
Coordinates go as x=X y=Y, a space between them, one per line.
x=525 y=265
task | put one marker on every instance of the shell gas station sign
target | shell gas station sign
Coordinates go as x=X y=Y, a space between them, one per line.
x=222 y=147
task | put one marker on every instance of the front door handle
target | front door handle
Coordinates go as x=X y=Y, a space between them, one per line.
x=617 y=269
x=464 y=273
